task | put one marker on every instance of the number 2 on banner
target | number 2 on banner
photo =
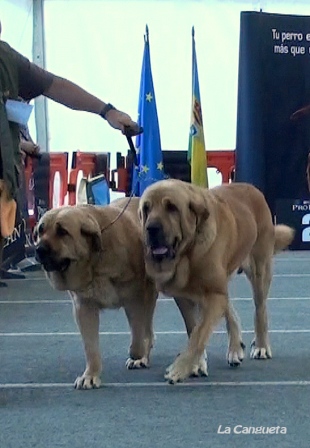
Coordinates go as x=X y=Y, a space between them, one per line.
x=306 y=232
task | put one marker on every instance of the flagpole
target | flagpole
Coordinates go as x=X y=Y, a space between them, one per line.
x=193 y=54
x=146 y=36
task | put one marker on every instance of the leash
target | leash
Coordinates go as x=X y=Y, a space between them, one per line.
x=129 y=133
x=122 y=211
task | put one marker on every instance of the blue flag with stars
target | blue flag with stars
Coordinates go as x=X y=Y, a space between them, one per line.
x=149 y=167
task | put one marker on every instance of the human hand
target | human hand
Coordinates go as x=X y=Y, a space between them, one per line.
x=123 y=122
x=300 y=113
x=29 y=148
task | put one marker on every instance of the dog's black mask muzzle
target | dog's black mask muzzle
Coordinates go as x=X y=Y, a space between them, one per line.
x=47 y=257
x=157 y=243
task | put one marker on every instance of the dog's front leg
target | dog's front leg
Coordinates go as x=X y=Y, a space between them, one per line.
x=140 y=319
x=87 y=319
x=190 y=313
x=212 y=308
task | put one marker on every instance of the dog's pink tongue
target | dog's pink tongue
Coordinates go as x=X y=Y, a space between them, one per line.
x=160 y=251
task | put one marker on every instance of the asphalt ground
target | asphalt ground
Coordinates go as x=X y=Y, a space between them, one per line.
x=41 y=354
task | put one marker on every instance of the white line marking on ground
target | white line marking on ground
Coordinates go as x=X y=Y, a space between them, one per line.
x=290 y=275
x=33 y=302
x=159 y=384
x=36 y=279
x=296 y=275
x=121 y=333
x=161 y=299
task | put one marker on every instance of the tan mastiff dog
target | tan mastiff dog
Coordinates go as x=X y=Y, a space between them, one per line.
x=96 y=253
x=100 y=262
x=195 y=239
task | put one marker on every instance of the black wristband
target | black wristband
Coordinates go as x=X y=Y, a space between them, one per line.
x=106 y=109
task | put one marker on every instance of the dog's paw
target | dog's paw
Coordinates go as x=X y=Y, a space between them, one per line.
x=235 y=357
x=201 y=369
x=260 y=352
x=141 y=363
x=87 y=382
x=179 y=370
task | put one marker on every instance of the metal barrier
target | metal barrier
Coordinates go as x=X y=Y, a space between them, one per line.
x=222 y=160
x=119 y=178
x=87 y=163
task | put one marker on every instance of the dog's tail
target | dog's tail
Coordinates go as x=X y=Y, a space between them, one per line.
x=284 y=235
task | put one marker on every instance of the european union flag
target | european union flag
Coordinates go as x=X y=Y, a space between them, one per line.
x=149 y=154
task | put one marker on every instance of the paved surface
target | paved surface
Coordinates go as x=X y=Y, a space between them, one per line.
x=41 y=354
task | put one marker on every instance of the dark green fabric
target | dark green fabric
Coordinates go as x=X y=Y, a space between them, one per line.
x=9 y=132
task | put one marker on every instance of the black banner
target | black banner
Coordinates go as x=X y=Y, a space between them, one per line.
x=296 y=213
x=274 y=81
x=41 y=178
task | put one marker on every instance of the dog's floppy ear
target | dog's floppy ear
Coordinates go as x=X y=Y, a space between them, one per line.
x=37 y=231
x=199 y=206
x=90 y=228
x=140 y=214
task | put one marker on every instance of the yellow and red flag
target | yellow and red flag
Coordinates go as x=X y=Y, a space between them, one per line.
x=196 y=146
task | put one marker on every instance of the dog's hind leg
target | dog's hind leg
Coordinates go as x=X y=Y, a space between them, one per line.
x=149 y=338
x=259 y=274
x=235 y=353
x=189 y=311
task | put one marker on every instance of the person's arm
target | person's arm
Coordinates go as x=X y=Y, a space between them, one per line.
x=71 y=95
x=35 y=81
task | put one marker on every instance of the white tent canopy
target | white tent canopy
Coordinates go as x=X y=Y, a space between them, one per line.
x=99 y=44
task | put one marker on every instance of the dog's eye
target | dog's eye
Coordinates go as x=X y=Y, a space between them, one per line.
x=35 y=234
x=170 y=207
x=61 y=231
x=146 y=209
x=40 y=229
